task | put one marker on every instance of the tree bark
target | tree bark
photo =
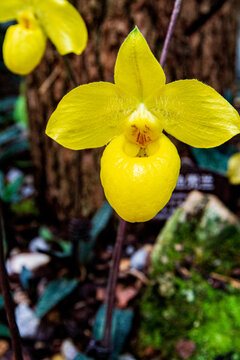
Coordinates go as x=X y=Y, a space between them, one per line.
x=203 y=47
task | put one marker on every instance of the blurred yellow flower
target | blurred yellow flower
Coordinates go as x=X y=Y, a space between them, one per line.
x=233 y=171
x=25 y=43
x=140 y=166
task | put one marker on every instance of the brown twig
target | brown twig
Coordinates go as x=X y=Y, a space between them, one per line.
x=77 y=208
x=77 y=225
x=203 y=19
x=70 y=71
x=8 y=302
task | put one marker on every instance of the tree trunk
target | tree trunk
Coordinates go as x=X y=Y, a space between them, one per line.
x=203 y=47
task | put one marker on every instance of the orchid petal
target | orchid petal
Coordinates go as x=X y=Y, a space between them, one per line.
x=137 y=71
x=194 y=113
x=63 y=25
x=90 y=116
x=9 y=9
x=233 y=172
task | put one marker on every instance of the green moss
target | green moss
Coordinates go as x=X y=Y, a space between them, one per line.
x=180 y=302
x=26 y=206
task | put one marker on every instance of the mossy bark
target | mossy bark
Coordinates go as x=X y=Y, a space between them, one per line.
x=203 y=47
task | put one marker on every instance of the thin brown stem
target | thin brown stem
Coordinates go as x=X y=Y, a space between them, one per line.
x=8 y=302
x=77 y=208
x=112 y=284
x=70 y=71
x=176 y=10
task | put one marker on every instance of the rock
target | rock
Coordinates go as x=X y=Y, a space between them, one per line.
x=126 y=357
x=27 y=190
x=138 y=259
x=210 y=204
x=31 y=261
x=13 y=174
x=208 y=208
x=69 y=350
x=38 y=243
x=27 y=321
x=130 y=250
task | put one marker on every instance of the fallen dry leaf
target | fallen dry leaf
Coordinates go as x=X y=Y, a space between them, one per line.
x=124 y=295
x=101 y=294
x=124 y=264
x=4 y=346
x=234 y=283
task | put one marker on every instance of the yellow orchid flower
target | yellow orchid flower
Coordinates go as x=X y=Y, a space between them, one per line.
x=140 y=165
x=25 y=43
x=233 y=172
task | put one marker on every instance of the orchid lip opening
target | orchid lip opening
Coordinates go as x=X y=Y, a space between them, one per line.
x=142 y=127
x=27 y=19
x=136 y=150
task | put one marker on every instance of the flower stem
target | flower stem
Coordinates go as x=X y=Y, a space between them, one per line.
x=112 y=283
x=8 y=302
x=175 y=12
x=77 y=208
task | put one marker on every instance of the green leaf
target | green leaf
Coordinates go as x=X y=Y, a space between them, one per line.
x=82 y=357
x=45 y=233
x=25 y=207
x=53 y=294
x=1 y=184
x=11 y=191
x=99 y=222
x=66 y=249
x=7 y=104
x=1 y=302
x=4 y=331
x=17 y=147
x=20 y=113
x=10 y=134
x=214 y=159
x=121 y=326
x=65 y=246
x=25 y=276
